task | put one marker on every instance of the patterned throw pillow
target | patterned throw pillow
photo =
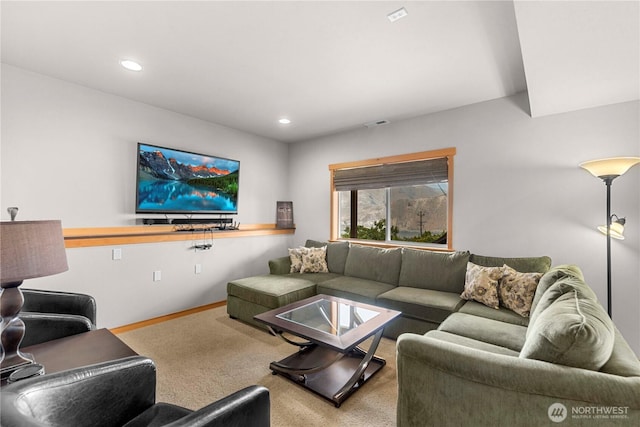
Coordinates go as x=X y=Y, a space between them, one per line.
x=518 y=289
x=314 y=260
x=481 y=284
x=295 y=255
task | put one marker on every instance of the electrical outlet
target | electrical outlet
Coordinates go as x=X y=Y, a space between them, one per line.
x=198 y=268
x=116 y=254
x=157 y=276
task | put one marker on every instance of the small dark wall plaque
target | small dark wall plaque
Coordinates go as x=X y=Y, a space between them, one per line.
x=284 y=215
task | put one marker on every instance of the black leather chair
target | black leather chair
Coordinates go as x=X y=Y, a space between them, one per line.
x=49 y=315
x=120 y=393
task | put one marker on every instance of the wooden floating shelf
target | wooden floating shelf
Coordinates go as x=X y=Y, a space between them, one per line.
x=108 y=236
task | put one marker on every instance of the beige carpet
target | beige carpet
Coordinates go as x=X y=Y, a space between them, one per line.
x=206 y=356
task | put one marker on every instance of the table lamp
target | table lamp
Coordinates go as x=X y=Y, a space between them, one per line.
x=28 y=249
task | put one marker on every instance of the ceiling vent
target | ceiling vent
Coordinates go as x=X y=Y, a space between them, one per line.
x=376 y=123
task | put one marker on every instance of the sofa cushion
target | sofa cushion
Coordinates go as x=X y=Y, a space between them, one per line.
x=271 y=291
x=481 y=284
x=354 y=288
x=313 y=277
x=551 y=277
x=526 y=265
x=380 y=265
x=502 y=314
x=573 y=331
x=623 y=360
x=336 y=254
x=517 y=290
x=471 y=343
x=314 y=260
x=423 y=304
x=438 y=271
x=487 y=330
x=280 y=265
x=559 y=288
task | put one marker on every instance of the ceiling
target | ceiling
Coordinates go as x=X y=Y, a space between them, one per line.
x=331 y=66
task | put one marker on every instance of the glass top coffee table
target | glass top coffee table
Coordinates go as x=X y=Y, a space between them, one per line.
x=330 y=361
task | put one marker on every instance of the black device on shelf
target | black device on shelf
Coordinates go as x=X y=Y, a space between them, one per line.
x=185 y=221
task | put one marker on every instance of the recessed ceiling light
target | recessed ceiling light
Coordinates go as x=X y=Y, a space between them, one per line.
x=400 y=13
x=131 y=65
x=284 y=121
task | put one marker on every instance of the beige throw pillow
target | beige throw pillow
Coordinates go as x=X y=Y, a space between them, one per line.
x=295 y=255
x=518 y=289
x=314 y=260
x=481 y=284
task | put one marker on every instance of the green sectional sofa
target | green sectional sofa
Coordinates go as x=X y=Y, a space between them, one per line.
x=471 y=361
x=566 y=364
x=424 y=285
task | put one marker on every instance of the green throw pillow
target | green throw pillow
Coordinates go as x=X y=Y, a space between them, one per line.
x=573 y=331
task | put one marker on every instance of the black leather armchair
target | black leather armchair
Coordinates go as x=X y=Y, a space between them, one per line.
x=49 y=315
x=120 y=393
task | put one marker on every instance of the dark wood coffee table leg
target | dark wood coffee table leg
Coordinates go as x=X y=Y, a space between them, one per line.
x=329 y=373
x=358 y=375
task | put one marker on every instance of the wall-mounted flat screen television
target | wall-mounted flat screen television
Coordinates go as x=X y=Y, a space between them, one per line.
x=171 y=181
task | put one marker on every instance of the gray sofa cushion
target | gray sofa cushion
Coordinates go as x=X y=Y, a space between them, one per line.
x=271 y=291
x=353 y=288
x=439 y=271
x=502 y=314
x=380 y=265
x=558 y=289
x=623 y=360
x=524 y=265
x=423 y=304
x=487 y=330
x=336 y=254
x=471 y=343
x=573 y=331
x=313 y=277
x=551 y=277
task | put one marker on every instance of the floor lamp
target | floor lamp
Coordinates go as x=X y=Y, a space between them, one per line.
x=28 y=249
x=608 y=170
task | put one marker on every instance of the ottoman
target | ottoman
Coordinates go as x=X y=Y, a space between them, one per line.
x=254 y=295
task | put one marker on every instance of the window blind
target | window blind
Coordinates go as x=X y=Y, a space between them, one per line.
x=430 y=171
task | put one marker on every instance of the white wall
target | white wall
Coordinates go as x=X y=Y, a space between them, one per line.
x=518 y=190
x=69 y=153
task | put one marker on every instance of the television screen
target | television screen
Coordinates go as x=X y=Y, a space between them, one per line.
x=181 y=182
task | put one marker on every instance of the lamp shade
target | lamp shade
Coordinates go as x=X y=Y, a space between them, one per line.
x=614 y=166
x=616 y=230
x=31 y=249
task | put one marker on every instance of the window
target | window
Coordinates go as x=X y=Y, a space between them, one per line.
x=412 y=193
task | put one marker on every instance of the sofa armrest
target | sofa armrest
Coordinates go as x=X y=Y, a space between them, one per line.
x=439 y=382
x=115 y=391
x=280 y=265
x=42 y=327
x=41 y=301
x=247 y=407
